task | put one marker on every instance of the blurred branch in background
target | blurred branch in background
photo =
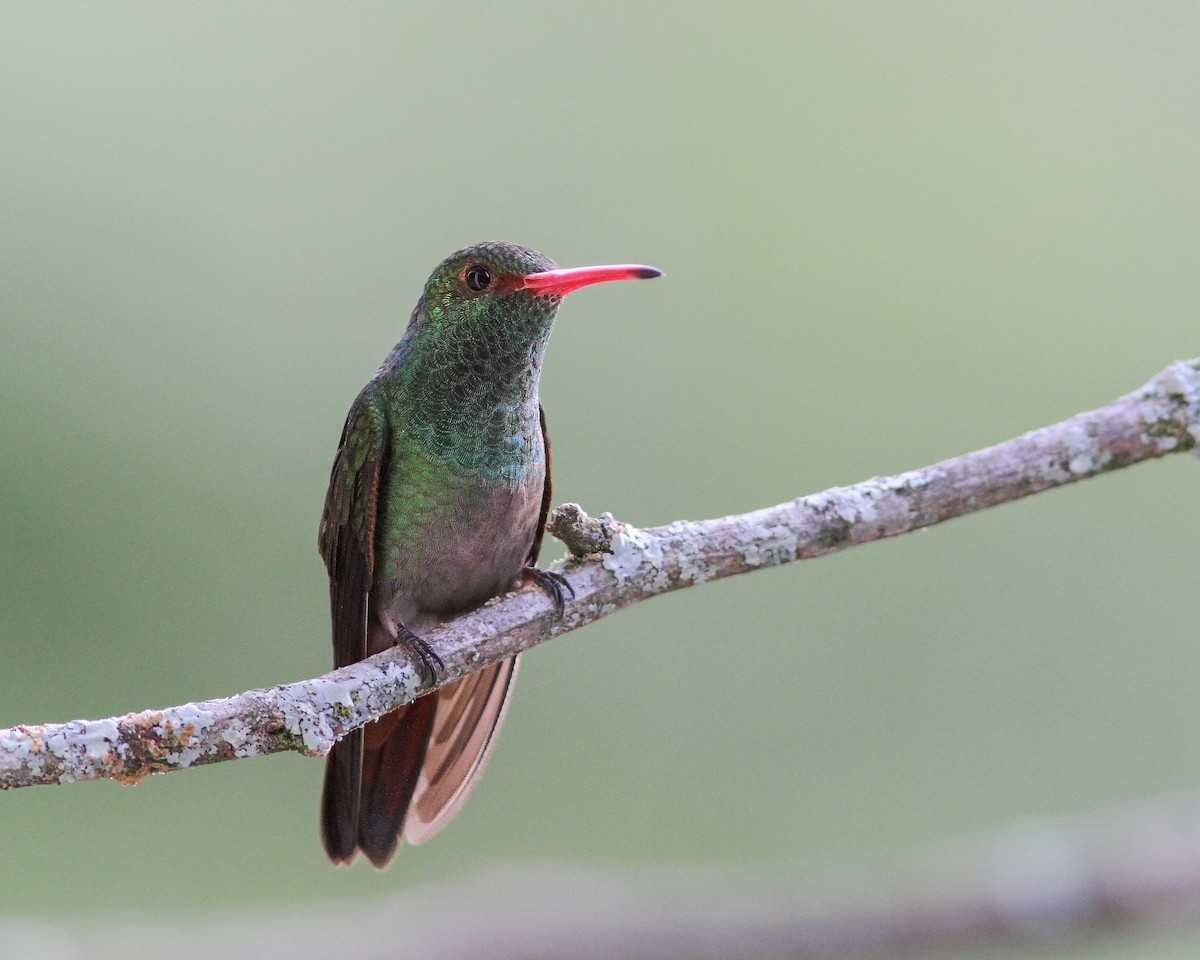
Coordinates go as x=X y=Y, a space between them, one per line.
x=1039 y=884
x=612 y=566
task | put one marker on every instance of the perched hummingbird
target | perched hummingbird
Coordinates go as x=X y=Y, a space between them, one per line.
x=437 y=502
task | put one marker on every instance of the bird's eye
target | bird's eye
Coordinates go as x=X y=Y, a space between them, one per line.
x=477 y=277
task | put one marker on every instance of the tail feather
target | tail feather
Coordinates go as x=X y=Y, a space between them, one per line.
x=339 y=798
x=469 y=718
x=392 y=758
x=377 y=786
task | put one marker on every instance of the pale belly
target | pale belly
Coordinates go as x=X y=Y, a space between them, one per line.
x=455 y=546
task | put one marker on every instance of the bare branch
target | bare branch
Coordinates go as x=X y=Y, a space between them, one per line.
x=613 y=566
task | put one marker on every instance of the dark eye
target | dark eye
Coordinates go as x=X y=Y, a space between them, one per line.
x=478 y=277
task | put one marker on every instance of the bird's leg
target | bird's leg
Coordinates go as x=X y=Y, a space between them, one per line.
x=553 y=583
x=429 y=663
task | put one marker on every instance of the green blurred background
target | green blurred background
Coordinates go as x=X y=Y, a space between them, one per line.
x=891 y=233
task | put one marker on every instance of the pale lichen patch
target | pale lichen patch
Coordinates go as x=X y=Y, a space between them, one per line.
x=763 y=546
x=59 y=742
x=181 y=734
x=81 y=750
x=1183 y=380
x=403 y=676
x=385 y=685
x=850 y=505
x=636 y=553
x=1166 y=429
x=241 y=739
x=98 y=738
x=693 y=565
x=25 y=747
x=339 y=693
x=302 y=720
x=856 y=505
x=1050 y=471
x=1084 y=453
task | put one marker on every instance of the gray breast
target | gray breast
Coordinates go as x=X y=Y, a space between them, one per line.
x=471 y=552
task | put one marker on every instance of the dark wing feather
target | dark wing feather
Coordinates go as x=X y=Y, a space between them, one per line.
x=540 y=532
x=347 y=537
x=347 y=545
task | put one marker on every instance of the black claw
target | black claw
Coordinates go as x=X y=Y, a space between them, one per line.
x=554 y=584
x=429 y=663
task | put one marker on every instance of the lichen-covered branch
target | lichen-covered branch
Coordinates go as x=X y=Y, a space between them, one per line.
x=612 y=566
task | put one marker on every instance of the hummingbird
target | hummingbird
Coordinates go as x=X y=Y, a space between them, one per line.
x=437 y=502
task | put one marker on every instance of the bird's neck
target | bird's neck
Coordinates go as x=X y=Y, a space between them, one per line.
x=470 y=404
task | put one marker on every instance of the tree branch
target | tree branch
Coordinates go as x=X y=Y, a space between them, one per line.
x=612 y=566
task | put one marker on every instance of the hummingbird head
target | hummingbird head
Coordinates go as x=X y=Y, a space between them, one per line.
x=500 y=290
x=471 y=357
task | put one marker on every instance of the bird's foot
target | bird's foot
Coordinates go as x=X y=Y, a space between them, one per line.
x=428 y=662
x=555 y=584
